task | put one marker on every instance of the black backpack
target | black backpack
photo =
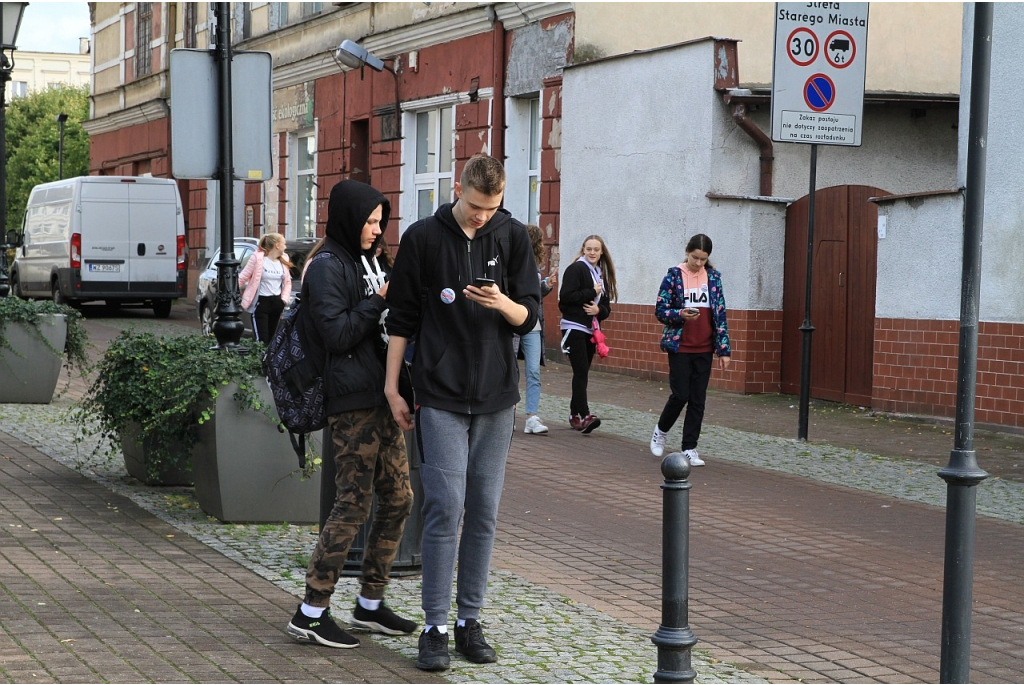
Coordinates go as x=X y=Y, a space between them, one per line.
x=294 y=367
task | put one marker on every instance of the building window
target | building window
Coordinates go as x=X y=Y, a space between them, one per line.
x=282 y=13
x=533 y=171
x=143 y=39
x=304 y=186
x=191 y=27
x=19 y=89
x=246 y=20
x=435 y=154
x=522 y=147
x=309 y=9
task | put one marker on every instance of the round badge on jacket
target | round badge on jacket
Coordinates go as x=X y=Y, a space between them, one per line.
x=447 y=295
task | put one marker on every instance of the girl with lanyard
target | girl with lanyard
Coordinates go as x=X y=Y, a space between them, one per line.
x=588 y=288
x=691 y=304
x=268 y=285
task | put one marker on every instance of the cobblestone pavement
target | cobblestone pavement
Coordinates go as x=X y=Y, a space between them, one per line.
x=548 y=626
x=567 y=641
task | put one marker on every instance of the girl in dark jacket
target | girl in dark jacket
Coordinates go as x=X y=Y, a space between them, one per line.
x=588 y=289
x=691 y=304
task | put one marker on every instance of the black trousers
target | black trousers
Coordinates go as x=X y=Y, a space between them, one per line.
x=581 y=354
x=265 y=318
x=688 y=377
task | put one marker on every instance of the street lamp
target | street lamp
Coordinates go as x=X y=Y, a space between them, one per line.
x=354 y=56
x=10 y=21
x=61 y=118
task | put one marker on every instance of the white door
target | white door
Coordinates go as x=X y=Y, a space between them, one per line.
x=153 y=234
x=105 y=235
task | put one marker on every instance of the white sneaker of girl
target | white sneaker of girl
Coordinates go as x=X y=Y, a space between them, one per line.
x=658 y=442
x=693 y=457
x=534 y=426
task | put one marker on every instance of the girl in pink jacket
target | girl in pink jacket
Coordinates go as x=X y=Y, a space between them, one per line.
x=268 y=285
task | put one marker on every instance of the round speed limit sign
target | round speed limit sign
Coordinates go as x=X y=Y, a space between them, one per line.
x=802 y=46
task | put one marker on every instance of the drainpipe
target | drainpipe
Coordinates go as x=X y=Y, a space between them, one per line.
x=498 y=100
x=739 y=115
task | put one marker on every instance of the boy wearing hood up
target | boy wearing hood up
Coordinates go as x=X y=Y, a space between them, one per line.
x=344 y=296
x=466 y=385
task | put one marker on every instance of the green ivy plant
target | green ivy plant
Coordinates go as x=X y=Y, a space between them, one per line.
x=14 y=310
x=167 y=385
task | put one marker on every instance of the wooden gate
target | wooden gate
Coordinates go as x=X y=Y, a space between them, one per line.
x=842 y=294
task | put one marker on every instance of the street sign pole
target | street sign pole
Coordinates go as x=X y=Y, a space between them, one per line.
x=817 y=99
x=807 y=329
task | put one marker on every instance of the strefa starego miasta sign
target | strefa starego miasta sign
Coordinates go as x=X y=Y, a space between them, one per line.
x=818 y=72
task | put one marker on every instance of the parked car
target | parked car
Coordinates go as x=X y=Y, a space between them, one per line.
x=206 y=287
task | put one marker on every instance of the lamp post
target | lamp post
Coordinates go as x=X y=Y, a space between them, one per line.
x=10 y=22
x=228 y=326
x=354 y=55
x=61 y=118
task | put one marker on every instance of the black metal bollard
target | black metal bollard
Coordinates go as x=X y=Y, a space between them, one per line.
x=674 y=637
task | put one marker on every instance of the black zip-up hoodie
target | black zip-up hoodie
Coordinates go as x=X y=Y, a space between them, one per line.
x=344 y=311
x=464 y=361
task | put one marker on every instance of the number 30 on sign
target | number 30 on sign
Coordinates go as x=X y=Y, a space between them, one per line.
x=803 y=46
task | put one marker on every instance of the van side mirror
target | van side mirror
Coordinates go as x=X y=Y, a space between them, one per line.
x=14 y=238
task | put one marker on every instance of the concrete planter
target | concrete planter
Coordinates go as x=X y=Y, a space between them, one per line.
x=136 y=460
x=31 y=371
x=245 y=470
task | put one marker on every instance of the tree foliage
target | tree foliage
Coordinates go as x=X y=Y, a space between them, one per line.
x=33 y=141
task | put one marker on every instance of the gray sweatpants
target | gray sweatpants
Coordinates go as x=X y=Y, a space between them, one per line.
x=462 y=471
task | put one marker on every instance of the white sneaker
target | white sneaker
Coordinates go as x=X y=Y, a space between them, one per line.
x=533 y=425
x=693 y=457
x=658 y=442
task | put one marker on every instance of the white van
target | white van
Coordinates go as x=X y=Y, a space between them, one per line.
x=120 y=239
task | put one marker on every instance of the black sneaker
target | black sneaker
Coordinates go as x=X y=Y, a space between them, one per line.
x=433 y=651
x=323 y=630
x=383 y=620
x=469 y=642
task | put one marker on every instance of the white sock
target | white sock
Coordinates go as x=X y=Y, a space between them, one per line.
x=311 y=611
x=441 y=629
x=368 y=604
x=461 y=623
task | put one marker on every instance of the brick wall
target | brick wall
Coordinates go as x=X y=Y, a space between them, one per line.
x=915 y=369
x=634 y=335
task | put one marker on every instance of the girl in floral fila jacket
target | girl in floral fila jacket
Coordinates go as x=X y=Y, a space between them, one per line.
x=691 y=304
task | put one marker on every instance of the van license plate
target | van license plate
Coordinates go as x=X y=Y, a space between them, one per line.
x=105 y=267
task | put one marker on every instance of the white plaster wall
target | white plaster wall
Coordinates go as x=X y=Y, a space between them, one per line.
x=1002 y=272
x=919 y=264
x=635 y=159
x=749 y=249
x=919 y=259
x=645 y=139
x=899 y=154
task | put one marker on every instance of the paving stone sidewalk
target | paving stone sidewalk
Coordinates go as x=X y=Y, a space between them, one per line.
x=567 y=641
x=596 y=620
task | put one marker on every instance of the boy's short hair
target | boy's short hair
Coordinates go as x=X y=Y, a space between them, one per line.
x=484 y=173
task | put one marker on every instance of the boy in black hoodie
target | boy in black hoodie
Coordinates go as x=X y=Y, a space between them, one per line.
x=344 y=292
x=466 y=385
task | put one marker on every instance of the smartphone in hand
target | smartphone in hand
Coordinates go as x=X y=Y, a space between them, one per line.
x=483 y=282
